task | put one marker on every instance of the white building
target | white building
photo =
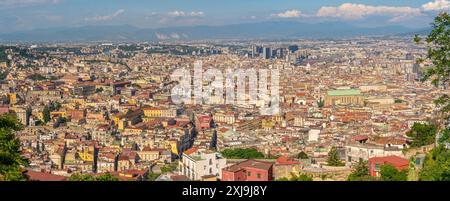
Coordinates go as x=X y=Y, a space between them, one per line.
x=356 y=152
x=313 y=135
x=197 y=163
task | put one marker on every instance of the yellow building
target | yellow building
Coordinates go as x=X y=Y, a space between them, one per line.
x=152 y=112
x=122 y=124
x=12 y=98
x=267 y=124
x=58 y=113
x=173 y=147
x=160 y=112
x=86 y=155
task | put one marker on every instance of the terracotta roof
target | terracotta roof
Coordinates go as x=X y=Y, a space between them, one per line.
x=283 y=160
x=191 y=150
x=179 y=178
x=43 y=176
x=393 y=160
x=251 y=163
x=360 y=137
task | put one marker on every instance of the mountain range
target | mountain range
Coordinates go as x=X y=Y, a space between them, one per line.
x=261 y=30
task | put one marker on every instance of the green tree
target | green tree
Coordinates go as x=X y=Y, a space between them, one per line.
x=11 y=162
x=304 y=177
x=239 y=153
x=81 y=177
x=295 y=177
x=302 y=155
x=438 y=53
x=106 y=177
x=390 y=173
x=360 y=172
x=87 y=177
x=333 y=158
x=36 y=77
x=320 y=103
x=152 y=176
x=436 y=166
x=445 y=136
x=422 y=134
x=282 y=179
x=169 y=167
x=46 y=114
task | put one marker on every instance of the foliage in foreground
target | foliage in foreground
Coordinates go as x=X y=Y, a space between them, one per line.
x=436 y=165
x=11 y=161
x=87 y=177
x=333 y=158
x=239 y=153
x=294 y=177
x=422 y=134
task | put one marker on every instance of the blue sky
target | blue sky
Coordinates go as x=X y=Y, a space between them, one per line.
x=17 y=15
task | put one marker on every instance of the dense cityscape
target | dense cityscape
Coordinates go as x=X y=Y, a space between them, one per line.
x=106 y=108
x=194 y=100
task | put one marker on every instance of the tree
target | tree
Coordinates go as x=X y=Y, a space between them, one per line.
x=422 y=134
x=438 y=53
x=152 y=176
x=81 y=177
x=239 y=153
x=169 y=167
x=46 y=114
x=11 y=162
x=445 y=136
x=360 y=173
x=320 y=103
x=390 y=173
x=436 y=166
x=333 y=158
x=87 y=177
x=36 y=77
x=106 y=177
x=282 y=179
x=302 y=155
x=304 y=177
x=294 y=177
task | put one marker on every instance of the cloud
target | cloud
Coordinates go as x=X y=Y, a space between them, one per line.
x=288 y=14
x=105 y=17
x=162 y=36
x=177 y=13
x=23 y=3
x=350 y=11
x=437 y=5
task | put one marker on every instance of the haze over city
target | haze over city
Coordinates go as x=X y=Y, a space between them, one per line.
x=224 y=90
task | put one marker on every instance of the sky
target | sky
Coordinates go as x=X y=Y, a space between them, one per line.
x=22 y=15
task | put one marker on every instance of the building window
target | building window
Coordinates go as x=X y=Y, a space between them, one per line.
x=258 y=175
x=248 y=173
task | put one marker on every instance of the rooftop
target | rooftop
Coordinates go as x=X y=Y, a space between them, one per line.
x=344 y=92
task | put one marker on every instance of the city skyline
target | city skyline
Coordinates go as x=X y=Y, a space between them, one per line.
x=24 y=15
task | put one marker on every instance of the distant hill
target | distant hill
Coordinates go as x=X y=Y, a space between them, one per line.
x=262 y=30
